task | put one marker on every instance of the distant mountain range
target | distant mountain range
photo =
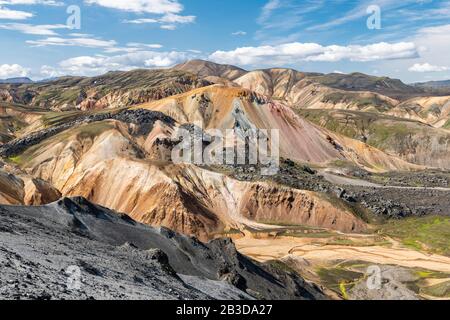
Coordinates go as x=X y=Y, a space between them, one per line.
x=434 y=84
x=16 y=80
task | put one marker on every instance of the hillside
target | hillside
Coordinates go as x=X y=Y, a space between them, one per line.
x=226 y=108
x=352 y=162
x=393 y=88
x=279 y=82
x=409 y=140
x=444 y=84
x=111 y=90
x=16 y=80
x=126 y=155
x=120 y=258
x=205 y=69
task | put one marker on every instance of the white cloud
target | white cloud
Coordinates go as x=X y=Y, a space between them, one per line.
x=239 y=33
x=141 y=21
x=121 y=49
x=32 y=2
x=141 y=6
x=175 y=18
x=44 y=30
x=168 y=21
x=94 y=65
x=168 y=27
x=360 y=11
x=372 y=52
x=12 y=70
x=133 y=47
x=73 y=42
x=434 y=43
x=291 y=52
x=267 y=10
x=6 y=13
x=145 y=45
x=426 y=67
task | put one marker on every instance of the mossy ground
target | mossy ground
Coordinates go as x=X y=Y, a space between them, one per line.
x=430 y=234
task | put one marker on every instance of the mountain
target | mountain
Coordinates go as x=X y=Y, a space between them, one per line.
x=17 y=80
x=298 y=90
x=227 y=108
x=433 y=110
x=362 y=177
x=112 y=90
x=121 y=161
x=280 y=80
x=410 y=140
x=434 y=84
x=206 y=69
x=120 y=258
x=393 y=88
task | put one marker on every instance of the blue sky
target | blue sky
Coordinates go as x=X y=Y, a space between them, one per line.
x=411 y=41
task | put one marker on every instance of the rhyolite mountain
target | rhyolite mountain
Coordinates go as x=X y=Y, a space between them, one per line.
x=356 y=152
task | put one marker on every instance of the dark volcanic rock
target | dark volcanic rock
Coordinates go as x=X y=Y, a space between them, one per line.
x=118 y=258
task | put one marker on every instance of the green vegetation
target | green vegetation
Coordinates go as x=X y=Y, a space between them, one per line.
x=142 y=86
x=362 y=102
x=342 y=277
x=440 y=290
x=339 y=279
x=9 y=126
x=382 y=134
x=15 y=160
x=430 y=233
x=394 y=135
x=50 y=119
x=446 y=125
x=429 y=274
x=343 y=241
x=279 y=265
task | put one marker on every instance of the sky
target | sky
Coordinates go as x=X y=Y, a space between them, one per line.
x=404 y=39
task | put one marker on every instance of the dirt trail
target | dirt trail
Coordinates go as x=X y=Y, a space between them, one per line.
x=267 y=249
x=336 y=179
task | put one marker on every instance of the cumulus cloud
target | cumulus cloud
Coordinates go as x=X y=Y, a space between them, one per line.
x=175 y=18
x=291 y=52
x=12 y=70
x=426 y=67
x=43 y=30
x=167 y=9
x=9 y=14
x=99 y=64
x=434 y=43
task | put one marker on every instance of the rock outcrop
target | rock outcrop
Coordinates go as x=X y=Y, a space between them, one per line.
x=117 y=257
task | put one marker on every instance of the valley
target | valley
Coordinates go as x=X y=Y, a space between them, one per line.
x=362 y=180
